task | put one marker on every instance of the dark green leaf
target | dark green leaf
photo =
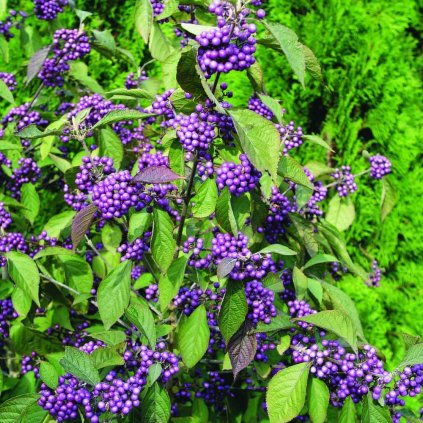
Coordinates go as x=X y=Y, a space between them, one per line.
x=141 y=316
x=14 y=409
x=108 y=356
x=205 y=199
x=374 y=413
x=81 y=365
x=156 y=404
x=319 y=259
x=110 y=337
x=224 y=213
x=144 y=18
x=289 y=168
x=163 y=244
x=49 y=375
x=347 y=414
x=318 y=400
x=278 y=249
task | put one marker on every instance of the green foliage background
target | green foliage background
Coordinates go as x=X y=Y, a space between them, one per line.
x=370 y=100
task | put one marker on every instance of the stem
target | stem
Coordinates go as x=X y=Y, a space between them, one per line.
x=91 y=245
x=186 y=203
x=216 y=81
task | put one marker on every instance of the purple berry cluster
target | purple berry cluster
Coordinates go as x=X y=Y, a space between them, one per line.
x=9 y=79
x=257 y=106
x=68 y=45
x=260 y=302
x=345 y=181
x=380 y=166
x=135 y=250
x=47 y=10
x=198 y=258
x=5 y=218
x=133 y=81
x=238 y=178
x=291 y=137
x=23 y=116
x=93 y=170
x=158 y=7
x=375 y=276
x=7 y=313
x=13 y=19
x=298 y=309
x=319 y=194
x=27 y=172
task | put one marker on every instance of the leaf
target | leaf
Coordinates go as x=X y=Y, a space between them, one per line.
x=341 y=212
x=320 y=259
x=81 y=365
x=302 y=196
x=79 y=72
x=22 y=302
x=410 y=340
x=284 y=344
x=170 y=282
x=13 y=410
x=144 y=18
x=193 y=337
x=339 y=300
x=53 y=251
x=259 y=139
x=306 y=233
x=312 y=64
x=225 y=267
x=113 y=294
x=389 y=198
x=156 y=404
x=120 y=115
x=156 y=175
x=49 y=374
x=23 y=271
x=154 y=372
x=188 y=80
x=6 y=145
x=108 y=356
x=224 y=213
x=59 y=223
x=133 y=92
x=256 y=77
x=111 y=146
x=286 y=40
x=36 y=63
x=111 y=237
x=163 y=244
x=78 y=273
x=273 y=105
x=177 y=160
x=104 y=41
x=242 y=348
x=81 y=223
x=374 y=413
x=31 y=201
x=318 y=400
x=273 y=282
x=289 y=168
x=138 y=224
x=334 y=321
x=139 y=314
x=315 y=139
x=196 y=29
x=233 y=310
x=159 y=45
x=82 y=15
x=347 y=414
x=110 y=337
x=5 y=93
x=300 y=282
x=315 y=288
x=280 y=322
x=287 y=393
x=31 y=132
x=278 y=249
x=414 y=355
x=62 y=164
x=205 y=200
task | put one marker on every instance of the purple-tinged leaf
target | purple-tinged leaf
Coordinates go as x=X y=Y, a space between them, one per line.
x=225 y=267
x=242 y=348
x=36 y=63
x=156 y=175
x=81 y=223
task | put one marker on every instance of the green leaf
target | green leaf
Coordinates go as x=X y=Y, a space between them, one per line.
x=177 y=160
x=317 y=140
x=196 y=29
x=78 y=273
x=120 y=115
x=53 y=251
x=200 y=410
x=23 y=271
x=302 y=196
x=111 y=146
x=224 y=213
x=280 y=322
x=59 y=223
x=319 y=259
x=273 y=105
x=6 y=145
x=154 y=372
x=138 y=224
x=14 y=409
x=316 y=289
x=388 y=200
x=300 y=282
x=104 y=41
x=110 y=337
x=289 y=168
x=414 y=355
x=347 y=414
x=273 y=282
x=374 y=413
x=31 y=201
x=189 y=80
x=4 y=49
x=284 y=344
x=61 y=164
x=156 y=404
x=233 y=310
x=21 y=302
x=312 y=64
x=287 y=393
x=109 y=356
x=5 y=93
x=139 y=314
x=193 y=337
x=337 y=322
x=286 y=40
x=256 y=77
x=144 y=18
x=111 y=237
x=49 y=374
x=341 y=212
x=163 y=244
x=278 y=249
x=259 y=139
x=170 y=282
x=318 y=400
x=159 y=46
x=81 y=365
x=339 y=300
x=205 y=199
x=133 y=92
x=113 y=294
x=26 y=340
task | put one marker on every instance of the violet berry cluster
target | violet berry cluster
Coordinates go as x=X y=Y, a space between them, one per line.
x=345 y=181
x=238 y=178
x=9 y=79
x=380 y=166
x=47 y=10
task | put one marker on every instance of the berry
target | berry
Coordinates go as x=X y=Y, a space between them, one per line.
x=380 y=166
